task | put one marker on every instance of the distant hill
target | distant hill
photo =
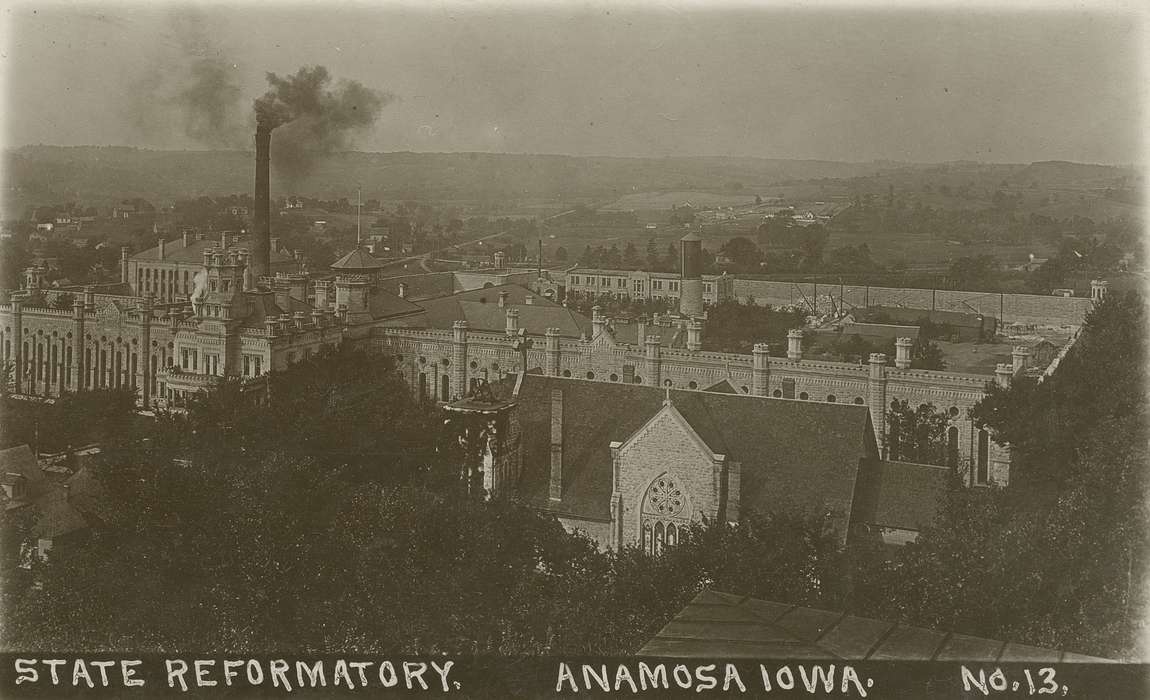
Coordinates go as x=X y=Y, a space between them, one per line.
x=95 y=175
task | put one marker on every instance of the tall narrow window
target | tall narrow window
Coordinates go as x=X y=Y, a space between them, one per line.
x=982 y=473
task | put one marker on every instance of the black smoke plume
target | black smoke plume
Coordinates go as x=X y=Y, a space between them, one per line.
x=190 y=86
x=312 y=120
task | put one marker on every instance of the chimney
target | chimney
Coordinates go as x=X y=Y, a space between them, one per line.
x=641 y=332
x=261 y=254
x=160 y=249
x=503 y=298
x=274 y=246
x=529 y=300
x=795 y=345
x=512 y=321
x=598 y=322
x=124 y=264
x=1002 y=375
x=403 y=290
x=187 y=237
x=902 y=349
x=556 y=487
x=1020 y=355
x=694 y=334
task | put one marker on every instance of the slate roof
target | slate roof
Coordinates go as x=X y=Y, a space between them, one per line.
x=176 y=252
x=908 y=496
x=783 y=468
x=721 y=625
x=358 y=259
x=383 y=304
x=480 y=308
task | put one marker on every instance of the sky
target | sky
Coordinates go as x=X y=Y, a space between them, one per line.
x=925 y=83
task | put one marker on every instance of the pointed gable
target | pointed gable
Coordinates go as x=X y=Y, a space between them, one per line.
x=669 y=420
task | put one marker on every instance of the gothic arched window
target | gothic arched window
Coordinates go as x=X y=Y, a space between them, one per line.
x=665 y=513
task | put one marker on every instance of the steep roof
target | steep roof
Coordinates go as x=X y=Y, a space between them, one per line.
x=904 y=495
x=383 y=304
x=480 y=308
x=358 y=259
x=783 y=466
x=721 y=625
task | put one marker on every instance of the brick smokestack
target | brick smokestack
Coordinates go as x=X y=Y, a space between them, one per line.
x=261 y=235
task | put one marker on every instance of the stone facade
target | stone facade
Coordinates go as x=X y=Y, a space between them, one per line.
x=426 y=353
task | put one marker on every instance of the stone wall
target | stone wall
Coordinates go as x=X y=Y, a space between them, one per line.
x=1010 y=308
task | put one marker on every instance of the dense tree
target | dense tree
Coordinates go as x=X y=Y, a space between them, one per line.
x=735 y=326
x=917 y=434
x=743 y=254
x=1058 y=558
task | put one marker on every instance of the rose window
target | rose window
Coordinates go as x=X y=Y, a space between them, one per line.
x=666 y=497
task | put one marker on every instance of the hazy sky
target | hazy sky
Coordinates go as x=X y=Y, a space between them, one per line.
x=914 y=84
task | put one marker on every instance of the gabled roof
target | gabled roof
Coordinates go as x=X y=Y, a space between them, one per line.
x=783 y=468
x=720 y=625
x=723 y=386
x=383 y=304
x=358 y=259
x=905 y=496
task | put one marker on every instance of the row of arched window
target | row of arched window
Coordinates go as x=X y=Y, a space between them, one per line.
x=659 y=535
